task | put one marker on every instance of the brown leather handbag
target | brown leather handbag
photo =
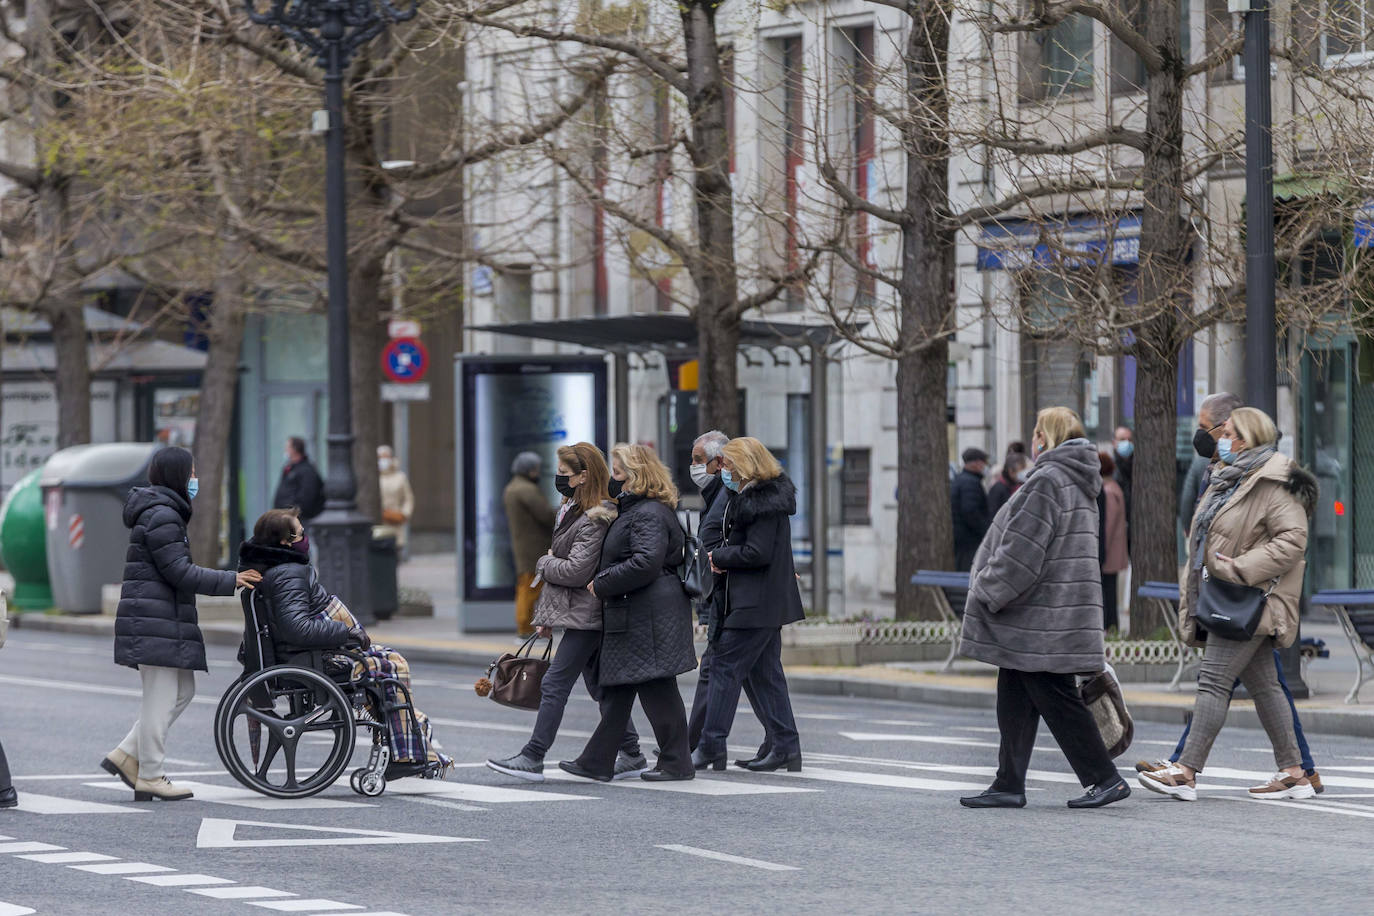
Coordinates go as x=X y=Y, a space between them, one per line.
x=515 y=678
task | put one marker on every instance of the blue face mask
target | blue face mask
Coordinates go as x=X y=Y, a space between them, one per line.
x=1224 y=451
x=192 y=487
x=1125 y=448
x=729 y=480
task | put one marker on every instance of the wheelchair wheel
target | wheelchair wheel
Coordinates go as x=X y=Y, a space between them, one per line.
x=285 y=732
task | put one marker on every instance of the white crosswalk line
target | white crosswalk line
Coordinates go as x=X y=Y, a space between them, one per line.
x=239 y=892
x=34 y=803
x=989 y=772
x=121 y=868
x=14 y=909
x=503 y=727
x=700 y=786
x=928 y=739
x=246 y=798
x=178 y=880
x=1258 y=777
x=67 y=858
x=22 y=846
x=1309 y=805
x=303 y=906
x=726 y=857
x=472 y=792
x=74 y=687
x=884 y=780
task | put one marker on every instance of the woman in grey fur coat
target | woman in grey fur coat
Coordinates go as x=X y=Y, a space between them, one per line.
x=1035 y=611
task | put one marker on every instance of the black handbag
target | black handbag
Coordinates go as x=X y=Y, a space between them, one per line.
x=690 y=572
x=1229 y=609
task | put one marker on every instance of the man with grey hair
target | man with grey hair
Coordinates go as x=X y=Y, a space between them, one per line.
x=529 y=518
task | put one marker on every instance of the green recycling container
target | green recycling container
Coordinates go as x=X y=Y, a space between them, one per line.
x=23 y=545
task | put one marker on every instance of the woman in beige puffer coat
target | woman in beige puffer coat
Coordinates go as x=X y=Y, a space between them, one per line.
x=1250 y=528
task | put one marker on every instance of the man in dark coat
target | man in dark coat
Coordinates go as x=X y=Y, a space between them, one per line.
x=1123 y=449
x=759 y=580
x=968 y=503
x=706 y=467
x=301 y=487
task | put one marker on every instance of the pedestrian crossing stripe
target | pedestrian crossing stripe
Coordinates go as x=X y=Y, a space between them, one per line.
x=242 y=797
x=220 y=833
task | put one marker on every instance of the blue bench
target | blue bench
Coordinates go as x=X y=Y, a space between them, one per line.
x=1166 y=596
x=1354 y=610
x=941 y=583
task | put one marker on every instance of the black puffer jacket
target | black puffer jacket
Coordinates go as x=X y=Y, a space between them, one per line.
x=294 y=598
x=646 y=617
x=157 y=623
x=760 y=577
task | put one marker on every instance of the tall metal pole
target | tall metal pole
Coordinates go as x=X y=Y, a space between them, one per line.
x=1261 y=332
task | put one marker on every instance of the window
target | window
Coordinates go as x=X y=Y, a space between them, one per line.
x=1058 y=60
x=854 y=479
x=1346 y=35
x=1053 y=368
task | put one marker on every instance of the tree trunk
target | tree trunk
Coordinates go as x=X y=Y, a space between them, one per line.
x=218 y=389
x=366 y=303
x=717 y=310
x=1165 y=239
x=73 y=372
x=925 y=535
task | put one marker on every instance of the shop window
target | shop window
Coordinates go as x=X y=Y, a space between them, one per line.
x=1346 y=32
x=854 y=486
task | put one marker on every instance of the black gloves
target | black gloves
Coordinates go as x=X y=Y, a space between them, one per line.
x=358 y=638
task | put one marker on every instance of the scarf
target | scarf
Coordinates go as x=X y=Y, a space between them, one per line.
x=1225 y=481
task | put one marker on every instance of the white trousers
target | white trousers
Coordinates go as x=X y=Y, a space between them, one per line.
x=166 y=693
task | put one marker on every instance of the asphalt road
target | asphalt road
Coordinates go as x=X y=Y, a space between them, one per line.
x=872 y=824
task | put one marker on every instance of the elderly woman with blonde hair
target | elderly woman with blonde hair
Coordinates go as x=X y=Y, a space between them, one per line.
x=1035 y=611
x=646 y=621
x=755 y=571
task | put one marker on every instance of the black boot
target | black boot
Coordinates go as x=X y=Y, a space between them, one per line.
x=9 y=798
x=700 y=761
x=776 y=760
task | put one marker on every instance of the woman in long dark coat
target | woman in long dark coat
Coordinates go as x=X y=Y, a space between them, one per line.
x=646 y=621
x=756 y=571
x=156 y=630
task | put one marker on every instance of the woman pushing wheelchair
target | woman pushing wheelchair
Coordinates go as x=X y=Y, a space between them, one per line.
x=301 y=617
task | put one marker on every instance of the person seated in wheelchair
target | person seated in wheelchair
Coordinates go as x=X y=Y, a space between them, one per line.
x=302 y=616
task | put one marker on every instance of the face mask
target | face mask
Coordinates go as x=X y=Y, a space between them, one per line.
x=729 y=480
x=386 y=465
x=303 y=545
x=615 y=487
x=1125 y=448
x=1224 y=451
x=1204 y=444
x=1023 y=476
x=560 y=483
x=192 y=487
x=700 y=476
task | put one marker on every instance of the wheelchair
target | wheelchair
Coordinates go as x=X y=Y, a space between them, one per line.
x=309 y=706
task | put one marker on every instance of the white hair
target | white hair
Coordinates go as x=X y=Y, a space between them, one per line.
x=711 y=443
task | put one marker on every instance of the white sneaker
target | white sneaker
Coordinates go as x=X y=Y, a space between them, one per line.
x=1285 y=786
x=1170 y=782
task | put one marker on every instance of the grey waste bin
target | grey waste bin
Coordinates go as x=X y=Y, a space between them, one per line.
x=84 y=491
x=381 y=568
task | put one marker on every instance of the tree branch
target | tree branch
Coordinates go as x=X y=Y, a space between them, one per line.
x=1112 y=135
x=853 y=201
x=660 y=66
x=1109 y=14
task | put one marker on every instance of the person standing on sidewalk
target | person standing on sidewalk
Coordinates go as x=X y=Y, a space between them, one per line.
x=156 y=628
x=969 y=505
x=706 y=470
x=1035 y=611
x=1251 y=529
x=756 y=571
x=646 y=621
x=530 y=519
x=1113 y=551
x=301 y=487
x=564 y=602
x=398 y=499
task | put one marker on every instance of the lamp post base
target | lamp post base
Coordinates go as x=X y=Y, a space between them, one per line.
x=342 y=539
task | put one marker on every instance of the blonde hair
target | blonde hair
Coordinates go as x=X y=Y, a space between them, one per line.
x=1254 y=426
x=751 y=459
x=645 y=475
x=1058 y=425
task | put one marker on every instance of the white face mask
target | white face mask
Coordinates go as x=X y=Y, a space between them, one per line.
x=386 y=465
x=700 y=476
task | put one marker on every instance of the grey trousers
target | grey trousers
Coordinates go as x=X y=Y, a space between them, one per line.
x=166 y=693
x=1253 y=662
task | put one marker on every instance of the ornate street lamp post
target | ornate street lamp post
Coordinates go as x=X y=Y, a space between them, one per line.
x=333 y=30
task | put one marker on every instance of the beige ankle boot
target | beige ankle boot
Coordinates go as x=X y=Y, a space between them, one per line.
x=125 y=766
x=160 y=789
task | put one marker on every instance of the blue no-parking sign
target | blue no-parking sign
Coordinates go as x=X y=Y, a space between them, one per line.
x=405 y=359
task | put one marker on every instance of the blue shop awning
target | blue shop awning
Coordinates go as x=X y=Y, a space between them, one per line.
x=1077 y=240
x=1364 y=226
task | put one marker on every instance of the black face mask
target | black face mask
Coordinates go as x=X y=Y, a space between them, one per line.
x=615 y=487
x=1204 y=444
x=560 y=483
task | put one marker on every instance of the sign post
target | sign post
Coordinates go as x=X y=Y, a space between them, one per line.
x=404 y=362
